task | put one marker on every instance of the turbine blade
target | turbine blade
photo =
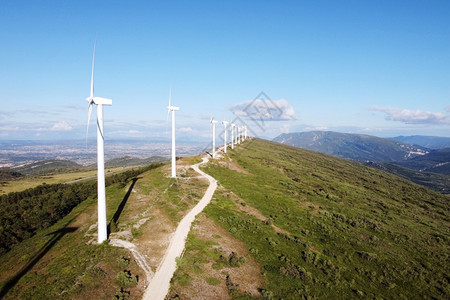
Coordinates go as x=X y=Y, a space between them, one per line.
x=92 y=74
x=89 y=119
x=170 y=104
x=170 y=97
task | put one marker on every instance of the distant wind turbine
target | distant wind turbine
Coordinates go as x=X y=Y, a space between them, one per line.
x=232 y=135
x=102 y=232
x=214 y=122
x=225 y=136
x=172 y=109
x=239 y=134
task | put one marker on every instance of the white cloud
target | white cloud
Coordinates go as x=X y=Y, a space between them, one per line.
x=413 y=116
x=265 y=110
x=62 y=126
x=285 y=128
x=185 y=129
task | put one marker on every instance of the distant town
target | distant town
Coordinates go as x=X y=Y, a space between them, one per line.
x=15 y=153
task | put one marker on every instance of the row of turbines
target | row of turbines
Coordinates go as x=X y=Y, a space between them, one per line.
x=241 y=135
x=240 y=131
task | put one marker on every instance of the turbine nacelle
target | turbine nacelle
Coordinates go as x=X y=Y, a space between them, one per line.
x=173 y=108
x=99 y=100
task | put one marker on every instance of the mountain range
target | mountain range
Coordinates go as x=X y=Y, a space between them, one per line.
x=357 y=147
x=430 y=142
x=428 y=167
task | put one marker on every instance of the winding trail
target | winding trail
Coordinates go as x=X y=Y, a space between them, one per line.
x=160 y=283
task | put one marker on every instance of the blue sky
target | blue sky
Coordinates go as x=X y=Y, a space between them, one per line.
x=372 y=67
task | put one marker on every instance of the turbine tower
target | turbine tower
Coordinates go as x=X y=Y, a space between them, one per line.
x=172 y=109
x=214 y=122
x=225 y=136
x=232 y=135
x=102 y=231
x=239 y=134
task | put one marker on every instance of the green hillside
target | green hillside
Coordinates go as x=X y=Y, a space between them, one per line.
x=46 y=167
x=314 y=226
x=133 y=161
x=437 y=182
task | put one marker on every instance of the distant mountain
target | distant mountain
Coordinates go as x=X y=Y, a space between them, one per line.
x=357 y=147
x=437 y=161
x=430 y=142
x=48 y=166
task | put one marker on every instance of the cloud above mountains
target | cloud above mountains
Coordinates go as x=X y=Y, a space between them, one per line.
x=413 y=116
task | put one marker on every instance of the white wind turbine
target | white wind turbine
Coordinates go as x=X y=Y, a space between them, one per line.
x=239 y=134
x=232 y=135
x=225 y=136
x=102 y=231
x=214 y=122
x=172 y=109
x=245 y=132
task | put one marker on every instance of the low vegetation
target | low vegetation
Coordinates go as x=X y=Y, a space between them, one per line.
x=321 y=226
x=63 y=260
x=23 y=213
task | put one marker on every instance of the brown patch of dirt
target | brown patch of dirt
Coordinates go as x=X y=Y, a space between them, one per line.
x=230 y=164
x=247 y=275
x=310 y=205
x=155 y=237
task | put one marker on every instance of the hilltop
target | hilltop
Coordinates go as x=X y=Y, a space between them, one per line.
x=357 y=147
x=291 y=223
x=284 y=223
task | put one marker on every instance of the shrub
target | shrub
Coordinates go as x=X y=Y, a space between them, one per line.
x=124 y=279
x=123 y=262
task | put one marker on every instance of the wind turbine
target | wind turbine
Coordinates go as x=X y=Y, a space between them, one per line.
x=214 y=122
x=245 y=132
x=225 y=136
x=232 y=135
x=239 y=134
x=172 y=109
x=102 y=232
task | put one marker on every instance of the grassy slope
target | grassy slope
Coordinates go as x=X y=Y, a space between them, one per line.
x=67 y=266
x=31 y=181
x=437 y=182
x=324 y=226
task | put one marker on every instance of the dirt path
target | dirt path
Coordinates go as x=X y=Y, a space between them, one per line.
x=160 y=283
x=140 y=259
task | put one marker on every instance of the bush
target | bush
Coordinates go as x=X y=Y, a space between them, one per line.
x=123 y=262
x=124 y=279
x=122 y=295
